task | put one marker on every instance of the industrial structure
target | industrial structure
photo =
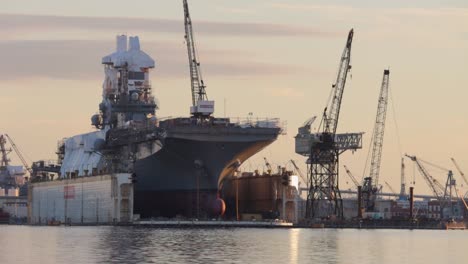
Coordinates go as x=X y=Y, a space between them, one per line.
x=13 y=184
x=351 y=176
x=260 y=196
x=136 y=166
x=201 y=106
x=324 y=147
x=12 y=177
x=446 y=195
x=371 y=186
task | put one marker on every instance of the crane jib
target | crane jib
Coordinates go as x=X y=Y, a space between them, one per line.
x=200 y=104
x=331 y=118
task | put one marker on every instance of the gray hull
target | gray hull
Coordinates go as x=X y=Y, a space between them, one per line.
x=184 y=177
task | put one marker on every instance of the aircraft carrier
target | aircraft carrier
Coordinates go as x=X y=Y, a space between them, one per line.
x=176 y=165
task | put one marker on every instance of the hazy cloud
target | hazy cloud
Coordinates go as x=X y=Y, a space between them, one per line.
x=394 y=4
x=346 y=8
x=81 y=59
x=18 y=23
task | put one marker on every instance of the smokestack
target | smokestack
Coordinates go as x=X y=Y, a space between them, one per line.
x=121 y=43
x=134 y=43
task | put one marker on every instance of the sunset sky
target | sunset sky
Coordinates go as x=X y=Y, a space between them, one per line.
x=272 y=58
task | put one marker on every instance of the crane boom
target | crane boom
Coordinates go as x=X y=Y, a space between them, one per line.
x=433 y=184
x=371 y=183
x=299 y=171
x=379 y=130
x=390 y=187
x=351 y=176
x=200 y=104
x=20 y=156
x=459 y=170
x=331 y=118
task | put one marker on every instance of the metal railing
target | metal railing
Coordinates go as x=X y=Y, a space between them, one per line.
x=244 y=122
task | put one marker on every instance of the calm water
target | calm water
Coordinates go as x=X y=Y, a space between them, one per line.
x=23 y=244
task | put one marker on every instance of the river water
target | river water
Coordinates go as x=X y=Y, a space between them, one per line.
x=25 y=244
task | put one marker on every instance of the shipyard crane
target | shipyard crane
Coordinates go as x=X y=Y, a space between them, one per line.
x=450 y=186
x=371 y=182
x=324 y=147
x=201 y=107
x=299 y=171
x=330 y=119
x=459 y=170
x=436 y=187
x=20 y=156
x=351 y=176
x=4 y=151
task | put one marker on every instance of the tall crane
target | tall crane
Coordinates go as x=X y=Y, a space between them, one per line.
x=459 y=170
x=201 y=107
x=330 y=119
x=20 y=156
x=324 y=149
x=371 y=183
x=5 y=161
x=436 y=187
x=449 y=192
x=351 y=176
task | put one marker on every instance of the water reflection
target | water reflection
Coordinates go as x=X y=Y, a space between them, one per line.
x=293 y=246
x=22 y=244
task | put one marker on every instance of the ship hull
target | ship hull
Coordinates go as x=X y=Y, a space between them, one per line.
x=183 y=178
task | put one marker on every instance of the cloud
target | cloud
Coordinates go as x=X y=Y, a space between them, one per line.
x=81 y=59
x=311 y=7
x=18 y=23
x=343 y=9
x=365 y=4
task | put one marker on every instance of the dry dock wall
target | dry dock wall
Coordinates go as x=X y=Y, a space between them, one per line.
x=104 y=199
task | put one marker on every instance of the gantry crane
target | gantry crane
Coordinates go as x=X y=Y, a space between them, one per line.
x=18 y=153
x=371 y=182
x=351 y=176
x=324 y=147
x=201 y=107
